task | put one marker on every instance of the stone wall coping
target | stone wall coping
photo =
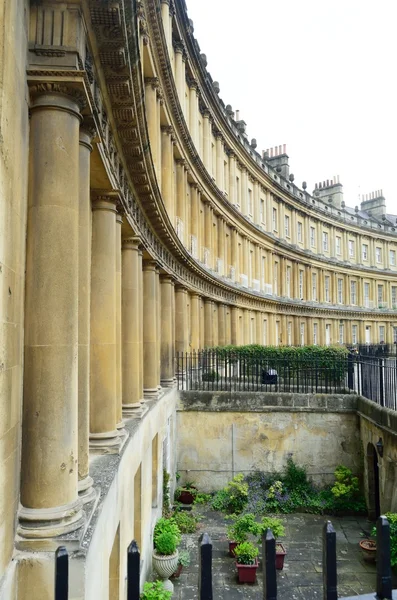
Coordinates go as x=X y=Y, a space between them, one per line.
x=378 y=415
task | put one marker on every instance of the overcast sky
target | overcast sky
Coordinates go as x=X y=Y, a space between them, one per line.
x=317 y=75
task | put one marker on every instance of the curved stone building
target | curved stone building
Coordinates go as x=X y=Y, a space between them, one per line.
x=138 y=221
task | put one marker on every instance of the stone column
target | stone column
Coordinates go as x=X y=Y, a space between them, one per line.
x=103 y=413
x=259 y=324
x=158 y=328
x=119 y=380
x=165 y=17
x=207 y=140
x=167 y=353
x=85 y=148
x=222 y=325
x=208 y=331
x=181 y=324
x=269 y=206
x=219 y=163
x=150 y=333
x=140 y=315
x=49 y=470
x=232 y=178
x=180 y=73
x=167 y=169
x=208 y=232
x=234 y=325
x=195 y=220
x=131 y=292
x=193 y=113
x=221 y=245
x=195 y=321
x=256 y=202
x=181 y=199
x=244 y=190
x=234 y=252
x=151 y=86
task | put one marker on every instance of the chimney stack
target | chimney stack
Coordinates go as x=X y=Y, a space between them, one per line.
x=330 y=190
x=374 y=204
x=278 y=159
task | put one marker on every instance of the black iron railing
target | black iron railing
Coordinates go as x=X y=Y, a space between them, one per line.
x=374 y=377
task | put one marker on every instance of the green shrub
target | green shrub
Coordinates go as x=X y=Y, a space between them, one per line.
x=210 y=376
x=166 y=543
x=202 y=498
x=346 y=485
x=295 y=478
x=166 y=526
x=155 y=591
x=392 y=518
x=186 y=521
x=166 y=493
x=184 y=558
x=246 y=553
x=241 y=527
x=233 y=497
x=274 y=524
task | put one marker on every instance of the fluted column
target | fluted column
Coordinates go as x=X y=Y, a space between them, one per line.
x=131 y=292
x=167 y=170
x=221 y=325
x=232 y=178
x=49 y=470
x=208 y=325
x=181 y=324
x=150 y=333
x=167 y=352
x=103 y=412
x=195 y=321
x=119 y=380
x=85 y=148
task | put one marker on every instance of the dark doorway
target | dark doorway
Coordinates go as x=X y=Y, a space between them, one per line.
x=373 y=482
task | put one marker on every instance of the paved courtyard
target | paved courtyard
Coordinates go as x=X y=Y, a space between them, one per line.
x=301 y=577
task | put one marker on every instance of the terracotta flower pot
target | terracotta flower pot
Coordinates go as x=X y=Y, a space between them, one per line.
x=186 y=497
x=368 y=548
x=280 y=554
x=232 y=546
x=247 y=573
x=177 y=572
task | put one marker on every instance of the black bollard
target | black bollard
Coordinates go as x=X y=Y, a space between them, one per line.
x=133 y=571
x=205 y=567
x=61 y=574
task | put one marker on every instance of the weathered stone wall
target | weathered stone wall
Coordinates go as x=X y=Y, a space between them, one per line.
x=379 y=423
x=14 y=141
x=220 y=434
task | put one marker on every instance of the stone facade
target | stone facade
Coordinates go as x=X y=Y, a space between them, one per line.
x=137 y=220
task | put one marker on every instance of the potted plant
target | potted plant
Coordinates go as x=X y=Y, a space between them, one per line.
x=278 y=530
x=368 y=549
x=183 y=561
x=186 y=494
x=155 y=591
x=166 y=538
x=246 y=555
x=240 y=529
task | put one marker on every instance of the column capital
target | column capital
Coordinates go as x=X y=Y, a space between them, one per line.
x=150 y=265
x=63 y=96
x=119 y=217
x=105 y=201
x=165 y=2
x=206 y=113
x=167 y=129
x=153 y=82
x=181 y=162
x=166 y=278
x=131 y=243
x=87 y=132
x=179 y=287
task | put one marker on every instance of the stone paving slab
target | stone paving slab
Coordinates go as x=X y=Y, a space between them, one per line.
x=301 y=578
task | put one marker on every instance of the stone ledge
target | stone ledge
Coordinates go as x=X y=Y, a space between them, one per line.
x=265 y=402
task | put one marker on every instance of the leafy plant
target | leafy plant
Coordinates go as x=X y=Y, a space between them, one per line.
x=233 y=497
x=392 y=518
x=184 y=558
x=166 y=493
x=246 y=553
x=242 y=526
x=166 y=543
x=202 y=498
x=186 y=521
x=155 y=591
x=210 y=376
x=346 y=485
x=166 y=526
x=274 y=524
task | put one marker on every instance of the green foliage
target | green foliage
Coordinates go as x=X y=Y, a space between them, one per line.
x=392 y=518
x=210 y=376
x=346 y=486
x=276 y=525
x=188 y=487
x=295 y=478
x=202 y=498
x=186 y=521
x=166 y=493
x=233 y=497
x=241 y=527
x=155 y=591
x=246 y=553
x=184 y=558
x=166 y=526
x=166 y=543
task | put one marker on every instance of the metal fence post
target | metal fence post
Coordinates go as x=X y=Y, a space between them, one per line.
x=205 y=567
x=383 y=566
x=269 y=566
x=330 y=591
x=61 y=574
x=381 y=383
x=133 y=571
x=350 y=371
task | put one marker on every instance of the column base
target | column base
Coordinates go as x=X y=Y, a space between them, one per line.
x=167 y=383
x=138 y=413
x=130 y=409
x=150 y=394
x=120 y=425
x=108 y=442
x=40 y=523
x=86 y=490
